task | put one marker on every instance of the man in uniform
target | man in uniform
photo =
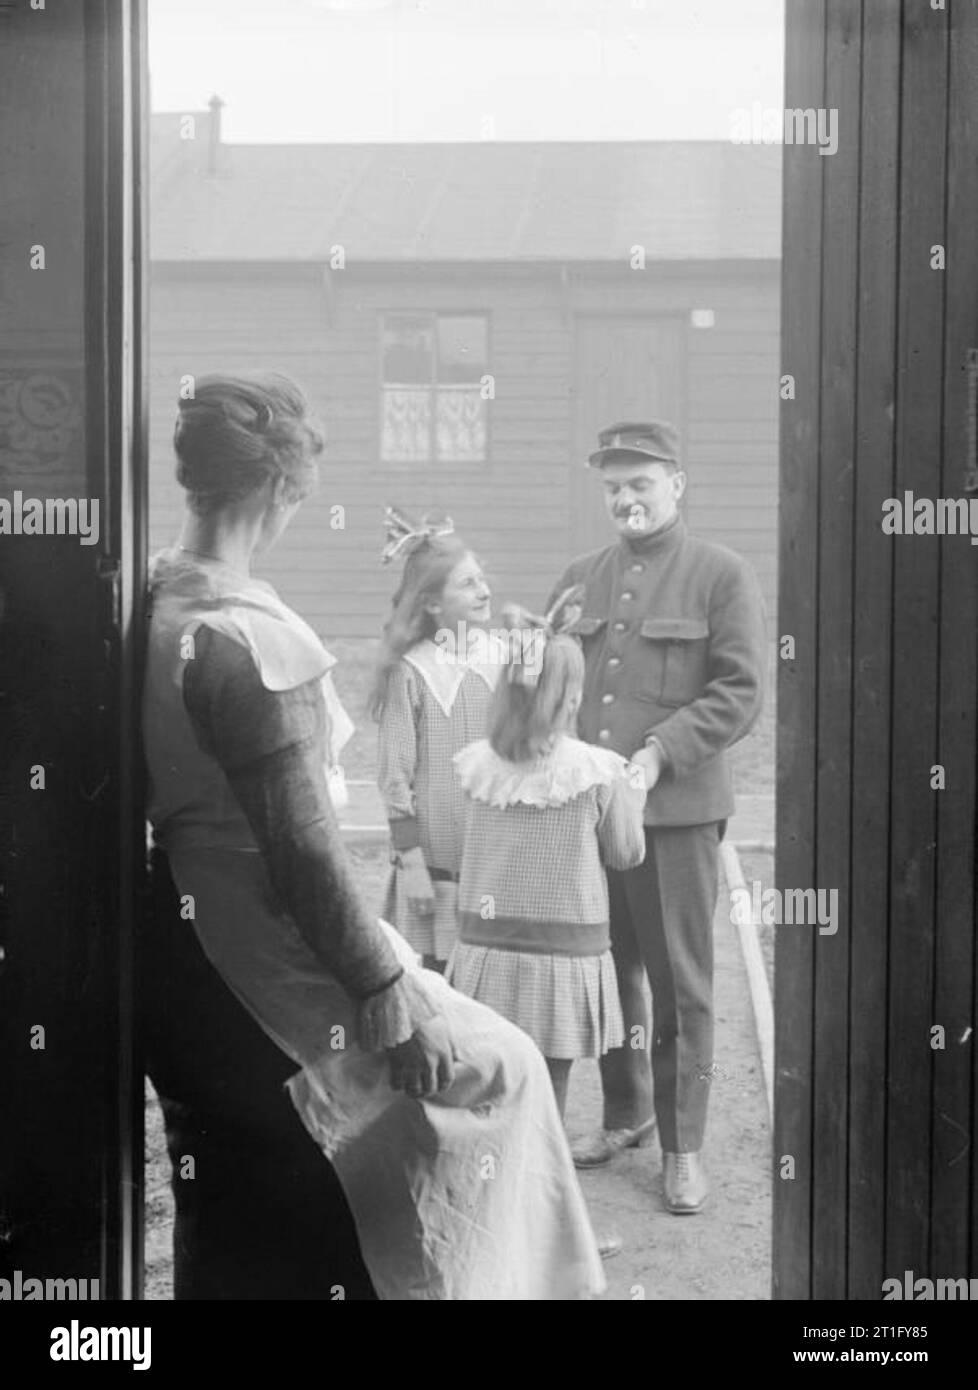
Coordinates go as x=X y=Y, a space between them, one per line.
x=673 y=634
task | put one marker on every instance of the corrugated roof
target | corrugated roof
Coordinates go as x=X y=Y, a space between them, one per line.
x=681 y=200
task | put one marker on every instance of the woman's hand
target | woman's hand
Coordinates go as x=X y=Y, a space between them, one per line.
x=417 y=883
x=425 y=1064
x=404 y=1021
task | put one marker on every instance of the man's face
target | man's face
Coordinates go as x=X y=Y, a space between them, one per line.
x=640 y=495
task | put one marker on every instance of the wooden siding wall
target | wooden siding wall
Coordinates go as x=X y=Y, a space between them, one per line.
x=515 y=508
x=879 y=1121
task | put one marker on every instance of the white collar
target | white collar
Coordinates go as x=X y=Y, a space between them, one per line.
x=444 y=671
x=572 y=767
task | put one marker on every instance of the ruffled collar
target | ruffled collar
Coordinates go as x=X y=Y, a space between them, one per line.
x=572 y=767
x=443 y=671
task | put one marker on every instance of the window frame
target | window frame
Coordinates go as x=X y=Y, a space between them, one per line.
x=433 y=315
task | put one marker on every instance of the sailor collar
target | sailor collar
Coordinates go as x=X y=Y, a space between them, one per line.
x=443 y=671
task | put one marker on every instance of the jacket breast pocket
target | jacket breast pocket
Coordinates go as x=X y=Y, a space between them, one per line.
x=675 y=659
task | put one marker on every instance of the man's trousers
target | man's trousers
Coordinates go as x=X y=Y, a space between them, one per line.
x=662 y=926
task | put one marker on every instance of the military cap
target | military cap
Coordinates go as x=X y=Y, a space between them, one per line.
x=656 y=440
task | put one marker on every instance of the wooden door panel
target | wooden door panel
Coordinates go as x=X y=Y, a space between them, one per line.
x=625 y=369
x=875 y=1105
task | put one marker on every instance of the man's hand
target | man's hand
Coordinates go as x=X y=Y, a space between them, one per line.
x=425 y=1063
x=417 y=882
x=652 y=763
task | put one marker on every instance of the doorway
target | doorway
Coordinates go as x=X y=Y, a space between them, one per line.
x=396 y=277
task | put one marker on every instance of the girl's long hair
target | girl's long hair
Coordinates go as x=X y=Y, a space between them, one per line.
x=523 y=719
x=426 y=573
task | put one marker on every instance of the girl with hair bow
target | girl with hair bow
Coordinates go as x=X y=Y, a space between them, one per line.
x=544 y=813
x=430 y=700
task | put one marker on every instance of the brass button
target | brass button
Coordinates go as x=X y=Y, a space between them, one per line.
x=627 y=595
x=620 y=627
x=604 y=735
x=636 y=569
x=607 y=699
x=614 y=660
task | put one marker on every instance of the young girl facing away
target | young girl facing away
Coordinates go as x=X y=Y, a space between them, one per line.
x=431 y=701
x=544 y=814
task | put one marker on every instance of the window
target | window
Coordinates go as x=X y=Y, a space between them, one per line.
x=431 y=395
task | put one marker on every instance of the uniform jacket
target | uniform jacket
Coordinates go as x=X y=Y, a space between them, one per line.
x=674 y=643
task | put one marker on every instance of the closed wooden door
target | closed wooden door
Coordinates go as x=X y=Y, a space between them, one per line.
x=876 y=1123
x=625 y=369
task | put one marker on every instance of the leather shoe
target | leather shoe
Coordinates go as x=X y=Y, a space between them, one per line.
x=683 y=1183
x=602 y=1144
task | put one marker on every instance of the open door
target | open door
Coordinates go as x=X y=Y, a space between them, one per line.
x=71 y=561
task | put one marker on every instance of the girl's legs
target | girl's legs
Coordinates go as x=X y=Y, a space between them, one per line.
x=560 y=1069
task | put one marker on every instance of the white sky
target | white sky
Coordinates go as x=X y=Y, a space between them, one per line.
x=419 y=70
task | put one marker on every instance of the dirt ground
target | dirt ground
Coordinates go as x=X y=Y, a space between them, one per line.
x=721 y=1254
x=724 y=1253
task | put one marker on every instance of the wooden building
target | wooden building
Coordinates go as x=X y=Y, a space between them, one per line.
x=574 y=285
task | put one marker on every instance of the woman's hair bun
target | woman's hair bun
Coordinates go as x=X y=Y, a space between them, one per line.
x=238 y=431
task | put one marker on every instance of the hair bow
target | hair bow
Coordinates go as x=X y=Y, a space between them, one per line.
x=529 y=633
x=565 y=610
x=404 y=536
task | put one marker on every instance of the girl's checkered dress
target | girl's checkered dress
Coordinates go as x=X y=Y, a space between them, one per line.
x=434 y=707
x=533 y=897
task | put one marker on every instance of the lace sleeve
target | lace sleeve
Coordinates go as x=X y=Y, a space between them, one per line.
x=269 y=745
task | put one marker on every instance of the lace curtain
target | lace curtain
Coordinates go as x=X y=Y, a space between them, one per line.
x=459 y=424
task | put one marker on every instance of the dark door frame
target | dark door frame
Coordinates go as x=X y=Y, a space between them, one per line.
x=117 y=280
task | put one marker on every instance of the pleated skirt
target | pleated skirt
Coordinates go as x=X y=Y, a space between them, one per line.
x=568 y=1005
